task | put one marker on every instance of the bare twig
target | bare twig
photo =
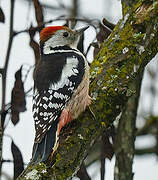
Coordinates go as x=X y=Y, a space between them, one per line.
x=27 y=73
x=88 y=21
x=38 y=13
x=143 y=151
x=74 y=12
x=11 y=32
x=51 y=7
x=10 y=161
x=150 y=124
x=4 y=74
x=34 y=45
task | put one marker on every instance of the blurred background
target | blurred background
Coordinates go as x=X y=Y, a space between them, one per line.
x=18 y=122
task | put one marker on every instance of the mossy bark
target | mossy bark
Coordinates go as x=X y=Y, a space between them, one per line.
x=132 y=44
x=126 y=133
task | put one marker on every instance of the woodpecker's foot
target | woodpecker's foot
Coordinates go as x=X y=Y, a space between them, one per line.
x=92 y=113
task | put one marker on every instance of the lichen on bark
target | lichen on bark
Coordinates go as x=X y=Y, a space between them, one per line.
x=131 y=45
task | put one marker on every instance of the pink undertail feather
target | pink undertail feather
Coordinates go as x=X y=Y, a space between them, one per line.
x=65 y=118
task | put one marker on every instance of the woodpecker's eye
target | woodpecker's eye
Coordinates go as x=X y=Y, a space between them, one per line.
x=65 y=34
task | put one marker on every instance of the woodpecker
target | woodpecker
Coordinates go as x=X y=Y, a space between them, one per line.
x=61 y=87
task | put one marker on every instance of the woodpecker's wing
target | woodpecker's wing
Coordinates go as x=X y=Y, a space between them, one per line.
x=54 y=85
x=47 y=108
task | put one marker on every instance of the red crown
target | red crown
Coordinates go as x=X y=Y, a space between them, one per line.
x=47 y=32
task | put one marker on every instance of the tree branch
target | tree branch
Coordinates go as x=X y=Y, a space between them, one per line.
x=147 y=151
x=122 y=56
x=125 y=138
x=40 y=25
x=4 y=75
x=52 y=8
x=38 y=13
x=148 y=127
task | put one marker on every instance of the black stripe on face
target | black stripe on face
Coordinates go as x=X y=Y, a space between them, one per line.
x=62 y=48
x=57 y=48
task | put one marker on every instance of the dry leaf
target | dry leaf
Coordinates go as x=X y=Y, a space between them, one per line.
x=18 y=102
x=18 y=160
x=2 y=16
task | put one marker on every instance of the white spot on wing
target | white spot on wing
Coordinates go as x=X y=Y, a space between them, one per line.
x=40 y=125
x=71 y=88
x=70 y=83
x=45 y=118
x=54 y=105
x=37 y=122
x=44 y=130
x=45 y=106
x=60 y=95
x=45 y=114
x=45 y=98
x=50 y=91
x=49 y=127
x=50 y=98
x=36 y=118
x=50 y=120
x=75 y=71
x=38 y=102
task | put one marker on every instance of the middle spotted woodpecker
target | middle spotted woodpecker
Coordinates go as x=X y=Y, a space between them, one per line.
x=61 y=86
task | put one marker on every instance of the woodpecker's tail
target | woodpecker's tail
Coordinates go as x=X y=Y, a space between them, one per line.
x=42 y=150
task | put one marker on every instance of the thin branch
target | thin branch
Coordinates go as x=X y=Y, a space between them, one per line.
x=4 y=75
x=74 y=12
x=150 y=124
x=27 y=73
x=36 y=28
x=146 y=151
x=90 y=22
x=54 y=8
x=11 y=33
x=38 y=13
x=10 y=161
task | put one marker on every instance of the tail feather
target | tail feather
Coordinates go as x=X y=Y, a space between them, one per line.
x=42 y=150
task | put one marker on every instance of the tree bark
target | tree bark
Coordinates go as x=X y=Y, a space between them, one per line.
x=126 y=134
x=132 y=44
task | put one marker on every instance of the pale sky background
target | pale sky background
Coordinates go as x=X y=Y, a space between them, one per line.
x=145 y=167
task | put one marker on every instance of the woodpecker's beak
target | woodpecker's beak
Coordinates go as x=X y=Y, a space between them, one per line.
x=81 y=30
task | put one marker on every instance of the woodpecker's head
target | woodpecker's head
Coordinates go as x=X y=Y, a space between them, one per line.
x=54 y=36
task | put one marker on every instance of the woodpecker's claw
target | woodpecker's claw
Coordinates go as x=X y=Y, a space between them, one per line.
x=92 y=113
